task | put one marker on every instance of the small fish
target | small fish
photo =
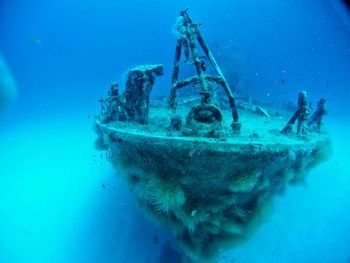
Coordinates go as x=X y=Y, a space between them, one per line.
x=155 y=239
x=103 y=186
x=283 y=81
x=35 y=40
x=300 y=77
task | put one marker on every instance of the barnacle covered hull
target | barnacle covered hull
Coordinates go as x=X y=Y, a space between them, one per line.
x=210 y=193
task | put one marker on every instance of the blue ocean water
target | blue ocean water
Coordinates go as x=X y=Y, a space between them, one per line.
x=61 y=202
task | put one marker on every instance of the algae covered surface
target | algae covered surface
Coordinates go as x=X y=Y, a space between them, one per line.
x=211 y=193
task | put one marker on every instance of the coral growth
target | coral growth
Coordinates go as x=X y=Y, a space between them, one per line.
x=245 y=182
x=164 y=195
x=208 y=206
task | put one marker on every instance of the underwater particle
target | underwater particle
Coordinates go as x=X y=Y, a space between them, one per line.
x=103 y=186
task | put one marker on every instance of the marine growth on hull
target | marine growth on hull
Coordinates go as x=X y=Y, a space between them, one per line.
x=201 y=162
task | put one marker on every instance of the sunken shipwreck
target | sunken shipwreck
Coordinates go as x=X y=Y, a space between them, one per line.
x=202 y=163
